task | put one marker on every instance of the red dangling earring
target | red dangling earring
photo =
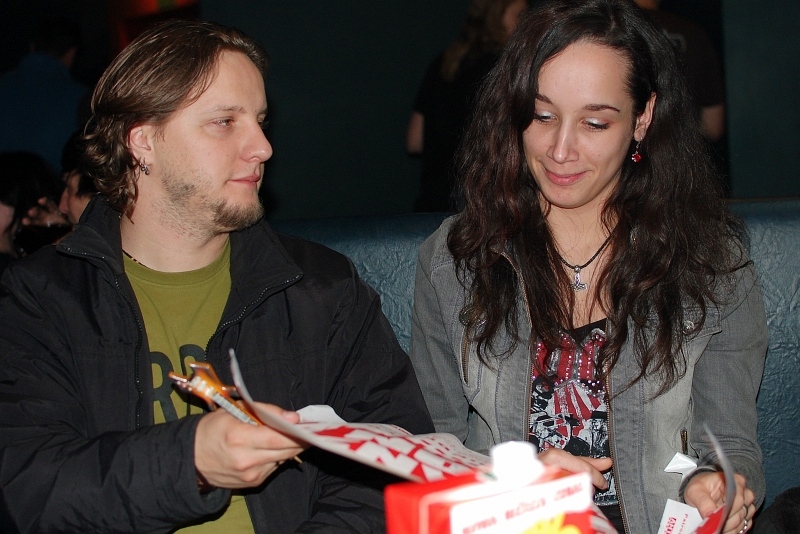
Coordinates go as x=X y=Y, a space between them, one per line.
x=636 y=157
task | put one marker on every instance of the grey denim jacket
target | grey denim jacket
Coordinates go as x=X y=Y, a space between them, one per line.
x=485 y=405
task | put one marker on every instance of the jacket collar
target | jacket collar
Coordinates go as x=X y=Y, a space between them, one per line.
x=260 y=266
x=97 y=236
x=259 y=262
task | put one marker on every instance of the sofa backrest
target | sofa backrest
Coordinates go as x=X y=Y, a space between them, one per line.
x=384 y=250
x=774 y=242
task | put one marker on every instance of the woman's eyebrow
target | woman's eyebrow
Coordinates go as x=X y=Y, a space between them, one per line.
x=600 y=107
x=589 y=107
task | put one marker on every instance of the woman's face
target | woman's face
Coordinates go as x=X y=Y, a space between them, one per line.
x=582 y=127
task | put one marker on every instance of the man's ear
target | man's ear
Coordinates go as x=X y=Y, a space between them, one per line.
x=643 y=121
x=140 y=142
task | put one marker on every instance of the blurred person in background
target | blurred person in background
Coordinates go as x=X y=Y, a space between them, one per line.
x=444 y=98
x=78 y=190
x=42 y=102
x=701 y=65
x=79 y=187
x=24 y=178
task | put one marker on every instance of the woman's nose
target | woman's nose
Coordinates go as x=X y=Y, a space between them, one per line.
x=563 y=146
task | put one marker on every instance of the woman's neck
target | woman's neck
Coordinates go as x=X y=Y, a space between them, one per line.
x=582 y=240
x=577 y=234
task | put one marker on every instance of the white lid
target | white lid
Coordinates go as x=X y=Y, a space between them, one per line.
x=515 y=461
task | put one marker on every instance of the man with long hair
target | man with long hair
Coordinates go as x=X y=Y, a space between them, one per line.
x=172 y=263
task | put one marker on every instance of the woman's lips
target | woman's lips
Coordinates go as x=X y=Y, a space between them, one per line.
x=563 y=178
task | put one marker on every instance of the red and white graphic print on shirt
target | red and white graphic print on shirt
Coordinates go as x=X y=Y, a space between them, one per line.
x=568 y=403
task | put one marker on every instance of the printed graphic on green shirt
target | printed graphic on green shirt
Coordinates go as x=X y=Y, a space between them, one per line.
x=170 y=403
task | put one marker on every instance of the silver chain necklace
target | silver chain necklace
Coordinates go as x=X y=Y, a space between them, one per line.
x=578 y=285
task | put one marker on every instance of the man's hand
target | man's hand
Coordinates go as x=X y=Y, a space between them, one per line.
x=706 y=492
x=231 y=454
x=578 y=464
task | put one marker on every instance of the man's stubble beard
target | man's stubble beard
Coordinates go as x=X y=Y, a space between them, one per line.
x=231 y=218
x=225 y=217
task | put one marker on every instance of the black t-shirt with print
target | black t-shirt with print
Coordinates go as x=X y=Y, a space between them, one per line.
x=568 y=405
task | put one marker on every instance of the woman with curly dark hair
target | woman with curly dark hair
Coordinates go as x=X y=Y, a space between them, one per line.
x=593 y=297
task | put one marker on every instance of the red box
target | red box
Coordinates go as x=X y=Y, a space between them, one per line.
x=557 y=502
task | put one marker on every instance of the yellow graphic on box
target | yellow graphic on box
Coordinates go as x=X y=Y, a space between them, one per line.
x=554 y=525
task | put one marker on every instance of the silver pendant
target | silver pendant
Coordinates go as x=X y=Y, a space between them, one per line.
x=577 y=285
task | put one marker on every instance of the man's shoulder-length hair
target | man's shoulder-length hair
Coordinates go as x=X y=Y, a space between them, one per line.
x=165 y=69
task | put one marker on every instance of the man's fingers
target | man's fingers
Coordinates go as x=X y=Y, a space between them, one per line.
x=288 y=415
x=232 y=454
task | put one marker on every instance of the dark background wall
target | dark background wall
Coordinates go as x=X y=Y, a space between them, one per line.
x=342 y=81
x=18 y=20
x=344 y=75
x=762 y=55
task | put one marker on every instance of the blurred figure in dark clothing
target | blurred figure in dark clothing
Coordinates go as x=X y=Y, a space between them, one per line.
x=700 y=62
x=443 y=101
x=780 y=517
x=42 y=102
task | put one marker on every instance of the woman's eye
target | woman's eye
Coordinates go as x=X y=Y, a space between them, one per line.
x=594 y=125
x=223 y=122
x=542 y=117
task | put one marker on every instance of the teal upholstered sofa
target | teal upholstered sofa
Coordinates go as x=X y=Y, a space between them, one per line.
x=384 y=249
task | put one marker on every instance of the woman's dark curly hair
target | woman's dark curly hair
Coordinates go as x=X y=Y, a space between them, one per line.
x=672 y=235
x=165 y=69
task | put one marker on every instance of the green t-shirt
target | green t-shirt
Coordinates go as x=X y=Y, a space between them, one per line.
x=181 y=312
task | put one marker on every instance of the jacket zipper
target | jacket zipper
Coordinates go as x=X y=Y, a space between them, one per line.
x=612 y=450
x=244 y=310
x=137 y=379
x=464 y=355
x=221 y=327
x=608 y=397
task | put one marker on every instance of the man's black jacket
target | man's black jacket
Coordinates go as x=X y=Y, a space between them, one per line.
x=78 y=448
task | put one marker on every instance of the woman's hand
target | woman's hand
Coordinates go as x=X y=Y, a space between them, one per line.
x=706 y=492
x=578 y=464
